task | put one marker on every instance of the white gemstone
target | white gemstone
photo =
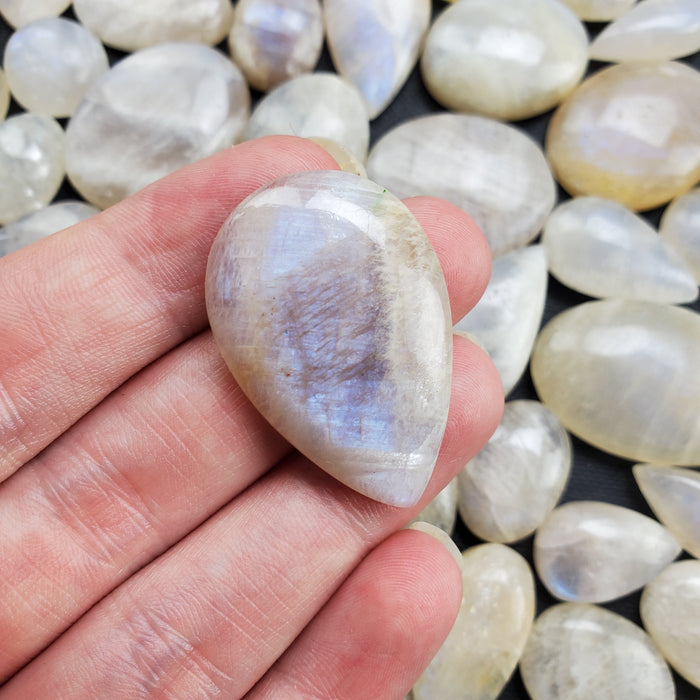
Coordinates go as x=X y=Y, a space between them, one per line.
x=600 y=248
x=653 y=30
x=152 y=113
x=375 y=44
x=592 y=552
x=275 y=40
x=582 y=652
x=493 y=171
x=135 y=24
x=31 y=164
x=4 y=95
x=442 y=510
x=482 y=650
x=51 y=63
x=43 y=223
x=599 y=10
x=508 y=489
x=509 y=59
x=680 y=227
x=315 y=105
x=507 y=317
x=21 y=12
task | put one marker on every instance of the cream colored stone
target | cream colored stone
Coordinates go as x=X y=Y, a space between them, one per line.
x=583 y=652
x=442 y=510
x=629 y=133
x=4 y=95
x=600 y=248
x=509 y=59
x=599 y=10
x=441 y=536
x=670 y=610
x=625 y=376
x=21 y=12
x=680 y=227
x=482 y=650
x=493 y=171
x=375 y=44
x=348 y=162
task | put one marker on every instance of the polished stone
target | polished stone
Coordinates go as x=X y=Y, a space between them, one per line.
x=21 y=12
x=134 y=24
x=594 y=552
x=495 y=617
x=493 y=171
x=4 y=95
x=442 y=510
x=508 y=489
x=347 y=162
x=674 y=495
x=275 y=40
x=600 y=248
x=653 y=30
x=680 y=227
x=31 y=164
x=330 y=308
x=51 y=63
x=599 y=10
x=314 y=105
x=508 y=315
x=583 y=652
x=152 y=113
x=375 y=44
x=629 y=133
x=510 y=59
x=625 y=376
x=670 y=610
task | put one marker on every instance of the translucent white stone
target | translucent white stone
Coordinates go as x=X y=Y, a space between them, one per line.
x=375 y=44
x=315 y=105
x=152 y=113
x=275 y=40
x=4 y=95
x=43 y=223
x=599 y=10
x=507 y=317
x=509 y=59
x=674 y=495
x=493 y=171
x=330 y=308
x=625 y=376
x=442 y=510
x=600 y=248
x=508 y=489
x=135 y=24
x=21 y=12
x=31 y=164
x=670 y=610
x=582 y=652
x=680 y=227
x=653 y=30
x=592 y=552
x=494 y=620
x=51 y=63
x=629 y=133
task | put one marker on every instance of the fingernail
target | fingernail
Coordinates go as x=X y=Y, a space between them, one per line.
x=440 y=536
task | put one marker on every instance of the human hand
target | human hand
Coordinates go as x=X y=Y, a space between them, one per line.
x=159 y=539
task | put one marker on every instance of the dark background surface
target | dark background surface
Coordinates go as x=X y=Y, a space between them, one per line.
x=595 y=475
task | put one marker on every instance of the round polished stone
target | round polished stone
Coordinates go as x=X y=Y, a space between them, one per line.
x=51 y=63
x=680 y=227
x=21 y=12
x=275 y=40
x=4 y=95
x=31 y=164
x=629 y=133
x=625 y=376
x=599 y=10
x=152 y=113
x=442 y=510
x=329 y=306
x=510 y=59
x=134 y=24
x=493 y=171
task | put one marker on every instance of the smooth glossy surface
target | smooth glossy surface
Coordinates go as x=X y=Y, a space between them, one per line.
x=275 y=40
x=600 y=248
x=330 y=308
x=514 y=482
x=630 y=133
x=680 y=227
x=51 y=63
x=152 y=113
x=442 y=510
x=493 y=171
x=599 y=10
x=509 y=59
x=582 y=652
x=375 y=44
x=21 y=12
x=4 y=95
x=625 y=376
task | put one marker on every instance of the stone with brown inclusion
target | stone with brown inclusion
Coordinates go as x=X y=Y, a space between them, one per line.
x=329 y=306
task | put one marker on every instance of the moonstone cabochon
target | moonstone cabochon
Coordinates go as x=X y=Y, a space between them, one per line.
x=625 y=377
x=4 y=95
x=680 y=227
x=21 y=12
x=153 y=112
x=330 y=309
x=599 y=10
